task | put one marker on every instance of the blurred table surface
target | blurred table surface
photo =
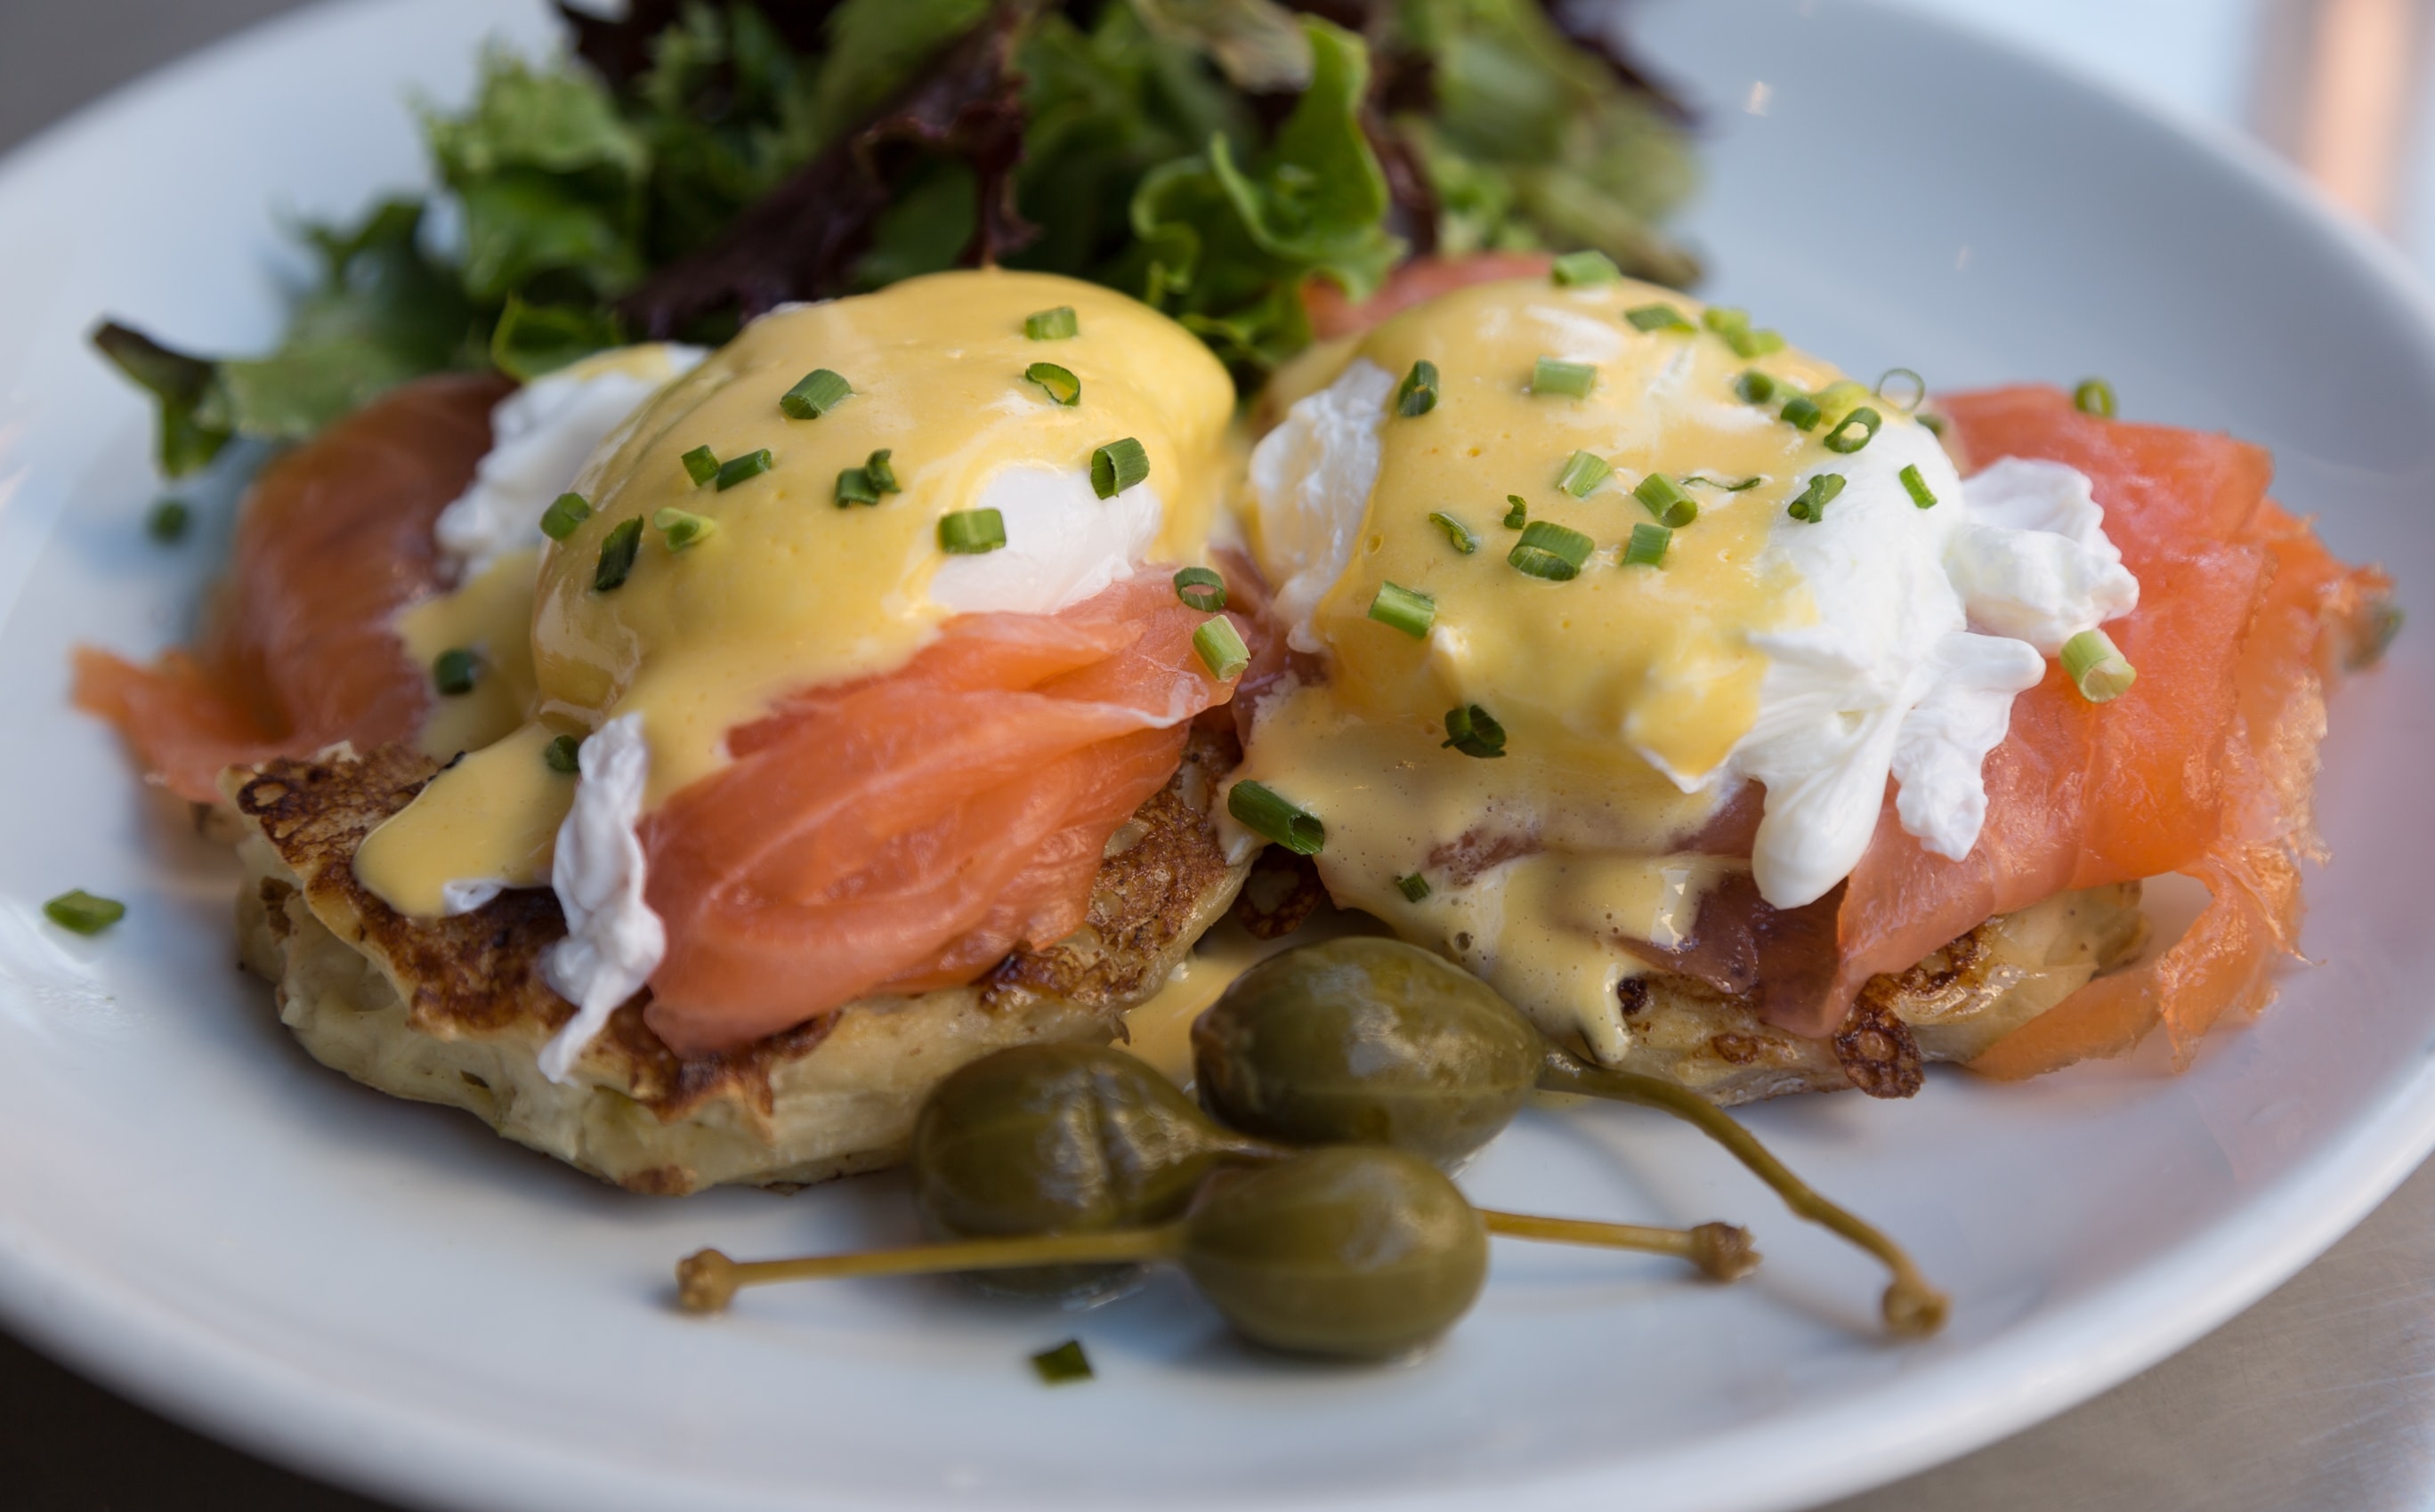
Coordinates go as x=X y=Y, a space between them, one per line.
x=2320 y=1396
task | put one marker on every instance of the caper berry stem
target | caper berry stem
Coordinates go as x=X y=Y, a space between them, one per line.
x=1912 y=1308
x=1723 y=1251
x=707 y=1280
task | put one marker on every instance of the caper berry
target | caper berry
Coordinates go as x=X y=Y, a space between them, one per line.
x=1365 y=1040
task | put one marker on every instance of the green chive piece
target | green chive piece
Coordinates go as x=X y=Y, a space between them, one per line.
x=1405 y=610
x=1916 y=487
x=1052 y=325
x=971 y=532
x=1066 y=1363
x=1754 y=387
x=817 y=392
x=1646 y=547
x=751 y=465
x=1841 y=398
x=1572 y=379
x=618 y=555
x=683 y=530
x=1812 y=501
x=1842 y=437
x=1061 y=383
x=1802 y=413
x=1200 y=588
x=2094 y=396
x=1220 y=647
x=1909 y=388
x=1933 y=424
x=1735 y=327
x=1518 y=515
x=1470 y=731
x=1418 y=393
x=1582 y=472
x=1658 y=318
x=1414 y=887
x=564 y=514
x=560 y=754
x=1671 y=507
x=452 y=672
x=854 y=486
x=700 y=464
x=84 y=913
x=1261 y=810
x=882 y=472
x=2097 y=667
x=1458 y=535
x=1728 y=485
x=1118 y=466
x=1575 y=269
x=1551 y=551
x=169 y=521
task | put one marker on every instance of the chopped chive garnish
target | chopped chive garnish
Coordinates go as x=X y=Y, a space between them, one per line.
x=84 y=913
x=1414 y=887
x=1801 y=412
x=1572 y=379
x=882 y=472
x=1841 y=398
x=1052 y=325
x=1843 y=438
x=1061 y=383
x=1728 y=485
x=971 y=532
x=560 y=754
x=700 y=464
x=1932 y=423
x=751 y=465
x=1418 y=393
x=1518 y=514
x=564 y=513
x=683 y=530
x=1220 y=647
x=1407 y=612
x=1582 y=472
x=1754 y=387
x=2377 y=625
x=2094 y=396
x=1066 y=1361
x=1574 y=269
x=1200 y=588
x=169 y=521
x=817 y=392
x=1551 y=551
x=1118 y=466
x=452 y=672
x=1646 y=547
x=1917 y=487
x=1671 y=506
x=1259 y=809
x=1470 y=731
x=2097 y=667
x=1811 y=503
x=1909 y=388
x=1458 y=535
x=618 y=555
x=854 y=486
x=1658 y=318
x=1735 y=327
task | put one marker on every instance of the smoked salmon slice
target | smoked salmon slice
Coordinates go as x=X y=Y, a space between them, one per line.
x=906 y=832
x=296 y=652
x=2205 y=767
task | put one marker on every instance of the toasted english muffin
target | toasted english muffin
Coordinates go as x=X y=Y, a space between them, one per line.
x=454 y=1010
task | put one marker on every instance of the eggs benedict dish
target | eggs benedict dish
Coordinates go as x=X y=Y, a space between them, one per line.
x=1689 y=692
x=833 y=725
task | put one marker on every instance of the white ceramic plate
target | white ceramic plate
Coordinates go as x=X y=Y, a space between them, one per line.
x=387 y=1296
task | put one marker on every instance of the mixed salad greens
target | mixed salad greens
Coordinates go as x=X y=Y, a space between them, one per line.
x=692 y=165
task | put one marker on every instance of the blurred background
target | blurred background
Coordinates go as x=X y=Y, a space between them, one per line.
x=2321 y=1396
